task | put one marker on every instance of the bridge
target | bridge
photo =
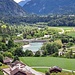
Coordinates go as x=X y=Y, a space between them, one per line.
x=30 y=40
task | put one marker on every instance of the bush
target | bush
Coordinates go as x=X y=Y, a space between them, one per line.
x=55 y=54
x=69 y=44
x=28 y=53
x=19 y=52
x=37 y=54
x=1 y=73
x=8 y=54
x=1 y=58
x=47 y=73
x=16 y=58
x=0 y=64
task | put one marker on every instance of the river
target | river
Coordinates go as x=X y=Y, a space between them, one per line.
x=33 y=46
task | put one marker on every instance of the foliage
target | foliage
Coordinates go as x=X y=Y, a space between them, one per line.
x=51 y=48
x=37 y=54
x=69 y=44
x=47 y=73
x=0 y=64
x=44 y=53
x=28 y=53
x=55 y=54
x=49 y=62
x=69 y=54
x=58 y=43
x=19 y=52
x=65 y=40
x=1 y=57
x=51 y=20
x=1 y=73
x=10 y=43
x=8 y=54
x=3 y=46
x=15 y=58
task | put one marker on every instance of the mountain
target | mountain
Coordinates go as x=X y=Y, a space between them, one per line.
x=10 y=8
x=43 y=7
x=22 y=3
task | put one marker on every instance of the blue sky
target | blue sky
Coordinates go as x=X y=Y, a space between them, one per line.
x=18 y=0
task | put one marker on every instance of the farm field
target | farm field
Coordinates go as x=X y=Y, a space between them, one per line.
x=49 y=62
x=71 y=34
x=67 y=28
x=70 y=31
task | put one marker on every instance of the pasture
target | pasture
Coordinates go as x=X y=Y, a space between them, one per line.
x=48 y=62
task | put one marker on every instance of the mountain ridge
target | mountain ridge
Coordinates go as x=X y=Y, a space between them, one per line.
x=50 y=7
x=10 y=8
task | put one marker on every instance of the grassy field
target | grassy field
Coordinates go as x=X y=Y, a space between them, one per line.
x=4 y=66
x=70 y=31
x=67 y=28
x=49 y=62
x=63 y=73
x=71 y=34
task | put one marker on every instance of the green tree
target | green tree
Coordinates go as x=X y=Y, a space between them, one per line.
x=65 y=40
x=16 y=58
x=51 y=48
x=69 y=54
x=19 y=52
x=44 y=52
x=28 y=53
x=10 y=43
x=1 y=73
x=8 y=54
x=1 y=58
x=37 y=54
x=4 y=47
x=47 y=73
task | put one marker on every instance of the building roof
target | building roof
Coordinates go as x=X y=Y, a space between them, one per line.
x=7 y=60
x=55 y=69
x=17 y=62
x=17 y=67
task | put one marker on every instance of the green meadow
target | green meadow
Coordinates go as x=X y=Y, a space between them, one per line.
x=49 y=62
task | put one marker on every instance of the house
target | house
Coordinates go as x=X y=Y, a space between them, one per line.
x=55 y=69
x=17 y=68
x=7 y=60
x=46 y=36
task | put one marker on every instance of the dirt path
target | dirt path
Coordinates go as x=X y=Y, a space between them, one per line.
x=34 y=71
x=62 y=32
x=50 y=67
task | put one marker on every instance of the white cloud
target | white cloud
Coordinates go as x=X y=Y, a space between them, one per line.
x=18 y=0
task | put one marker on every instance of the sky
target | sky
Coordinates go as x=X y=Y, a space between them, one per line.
x=18 y=0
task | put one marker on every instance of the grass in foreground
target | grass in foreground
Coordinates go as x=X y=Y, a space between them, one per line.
x=71 y=34
x=63 y=73
x=4 y=66
x=49 y=62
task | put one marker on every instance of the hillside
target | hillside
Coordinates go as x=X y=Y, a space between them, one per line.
x=50 y=6
x=10 y=8
x=22 y=3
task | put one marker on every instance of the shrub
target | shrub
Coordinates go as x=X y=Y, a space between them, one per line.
x=37 y=54
x=1 y=58
x=0 y=64
x=28 y=53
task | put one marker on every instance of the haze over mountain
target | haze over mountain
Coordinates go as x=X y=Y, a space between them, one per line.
x=50 y=7
x=10 y=8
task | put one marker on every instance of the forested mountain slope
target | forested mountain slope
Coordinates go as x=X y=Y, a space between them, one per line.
x=50 y=7
x=10 y=8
